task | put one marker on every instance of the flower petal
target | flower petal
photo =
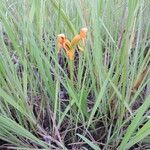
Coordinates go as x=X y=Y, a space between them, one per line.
x=61 y=38
x=76 y=40
x=83 y=32
x=70 y=55
x=67 y=45
x=60 y=42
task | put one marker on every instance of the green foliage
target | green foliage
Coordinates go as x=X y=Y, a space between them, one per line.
x=101 y=105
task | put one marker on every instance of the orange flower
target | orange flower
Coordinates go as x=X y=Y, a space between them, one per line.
x=83 y=33
x=60 y=41
x=64 y=43
x=79 y=37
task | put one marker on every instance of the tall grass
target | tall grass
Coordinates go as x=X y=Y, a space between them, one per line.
x=105 y=105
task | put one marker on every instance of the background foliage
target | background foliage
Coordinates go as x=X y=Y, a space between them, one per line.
x=105 y=105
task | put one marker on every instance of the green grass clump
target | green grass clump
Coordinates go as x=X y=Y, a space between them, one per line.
x=104 y=104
